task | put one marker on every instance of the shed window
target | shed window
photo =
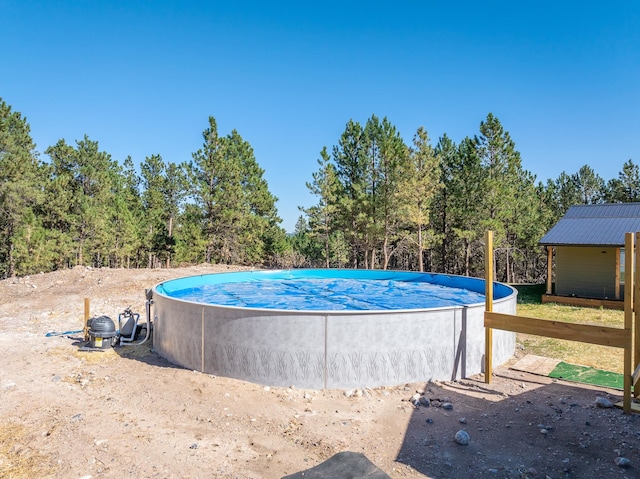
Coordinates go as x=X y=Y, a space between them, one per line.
x=622 y=261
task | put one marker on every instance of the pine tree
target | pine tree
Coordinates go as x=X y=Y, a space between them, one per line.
x=79 y=201
x=241 y=221
x=174 y=190
x=368 y=162
x=157 y=211
x=446 y=152
x=590 y=185
x=467 y=212
x=388 y=158
x=626 y=187
x=322 y=216
x=21 y=179
x=458 y=210
x=501 y=163
x=417 y=189
x=129 y=217
x=190 y=242
x=564 y=192
x=509 y=192
x=354 y=202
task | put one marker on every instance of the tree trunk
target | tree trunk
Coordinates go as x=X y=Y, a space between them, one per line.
x=12 y=262
x=467 y=256
x=170 y=235
x=420 y=247
x=150 y=262
x=385 y=250
x=326 y=247
x=80 y=258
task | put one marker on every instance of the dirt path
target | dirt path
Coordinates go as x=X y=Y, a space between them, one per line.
x=128 y=413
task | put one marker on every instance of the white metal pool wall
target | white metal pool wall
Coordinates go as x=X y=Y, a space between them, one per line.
x=335 y=349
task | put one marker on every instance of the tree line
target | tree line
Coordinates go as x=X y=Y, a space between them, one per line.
x=380 y=204
x=81 y=207
x=384 y=204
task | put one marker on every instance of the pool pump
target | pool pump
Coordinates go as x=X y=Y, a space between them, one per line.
x=102 y=332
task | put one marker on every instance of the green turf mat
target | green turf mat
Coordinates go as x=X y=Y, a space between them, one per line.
x=587 y=375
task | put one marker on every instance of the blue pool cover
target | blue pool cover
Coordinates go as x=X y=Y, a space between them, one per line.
x=331 y=290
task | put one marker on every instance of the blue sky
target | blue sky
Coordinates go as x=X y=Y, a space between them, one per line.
x=142 y=78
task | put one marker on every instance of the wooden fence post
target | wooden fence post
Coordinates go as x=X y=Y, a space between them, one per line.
x=87 y=313
x=629 y=289
x=636 y=323
x=488 y=302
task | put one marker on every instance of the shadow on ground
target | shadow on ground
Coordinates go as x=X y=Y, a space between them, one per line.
x=543 y=430
x=138 y=352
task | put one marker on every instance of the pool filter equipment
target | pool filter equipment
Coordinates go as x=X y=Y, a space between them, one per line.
x=129 y=331
x=101 y=332
x=128 y=328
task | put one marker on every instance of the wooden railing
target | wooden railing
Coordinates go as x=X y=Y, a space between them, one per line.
x=585 y=333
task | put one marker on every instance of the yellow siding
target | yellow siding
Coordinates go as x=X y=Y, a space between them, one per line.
x=588 y=272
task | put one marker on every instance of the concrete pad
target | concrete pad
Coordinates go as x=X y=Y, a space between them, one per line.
x=536 y=365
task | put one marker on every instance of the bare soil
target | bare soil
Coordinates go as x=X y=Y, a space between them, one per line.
x=126 y=412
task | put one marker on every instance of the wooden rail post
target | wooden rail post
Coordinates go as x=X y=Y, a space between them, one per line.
x=636 y=325
x=488 y=302
x=629 y=289
x=87 y=313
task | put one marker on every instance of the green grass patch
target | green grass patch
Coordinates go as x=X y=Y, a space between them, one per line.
x=599 y=357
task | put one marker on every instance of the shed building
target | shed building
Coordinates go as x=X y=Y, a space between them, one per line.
x=589 y=253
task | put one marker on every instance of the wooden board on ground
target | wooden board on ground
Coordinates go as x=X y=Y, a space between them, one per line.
x=635 y=407
x=536 y=365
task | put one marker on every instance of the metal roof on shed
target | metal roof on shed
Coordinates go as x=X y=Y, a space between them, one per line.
x=595 y=225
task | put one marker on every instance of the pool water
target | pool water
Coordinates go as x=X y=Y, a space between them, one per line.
x=330 y=294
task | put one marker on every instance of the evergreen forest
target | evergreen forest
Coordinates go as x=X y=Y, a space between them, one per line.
x=380 y=203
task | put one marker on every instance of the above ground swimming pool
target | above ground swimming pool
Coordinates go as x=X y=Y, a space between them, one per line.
x=329 y=328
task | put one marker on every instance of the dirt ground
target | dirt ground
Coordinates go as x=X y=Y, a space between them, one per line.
x=128 y=413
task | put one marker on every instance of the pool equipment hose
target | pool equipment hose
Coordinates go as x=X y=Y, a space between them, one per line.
x=65 y=333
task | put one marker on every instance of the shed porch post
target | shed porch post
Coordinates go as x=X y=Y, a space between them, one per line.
x=549 y=268
x=617 y=290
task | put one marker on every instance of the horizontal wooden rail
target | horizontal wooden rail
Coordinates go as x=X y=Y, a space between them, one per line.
x=601 y=335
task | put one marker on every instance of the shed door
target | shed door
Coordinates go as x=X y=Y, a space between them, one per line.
x=586 y=272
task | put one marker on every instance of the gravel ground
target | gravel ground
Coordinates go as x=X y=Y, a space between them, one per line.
x=128 y=413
